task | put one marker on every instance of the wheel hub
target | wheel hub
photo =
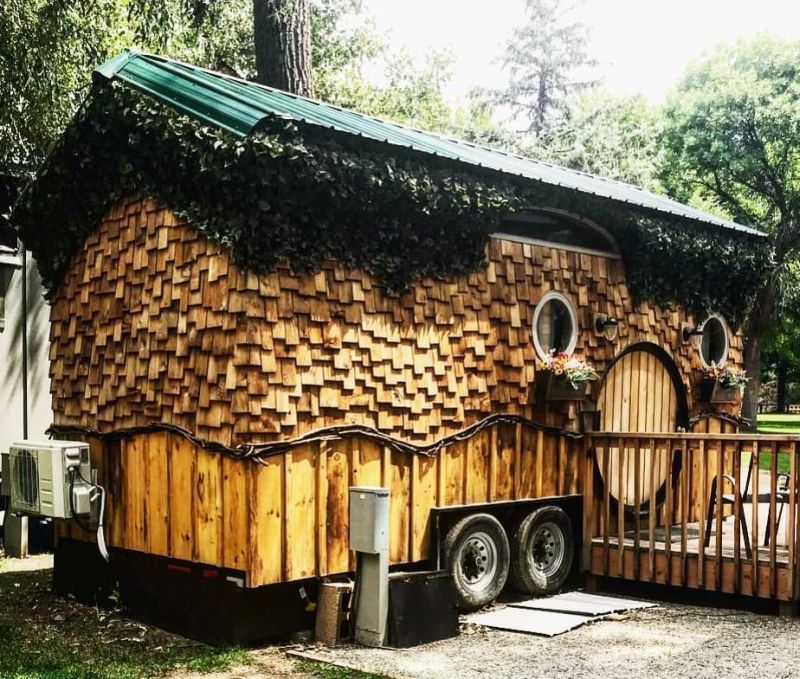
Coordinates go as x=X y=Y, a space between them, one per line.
x=477 y=561
x=547 y=547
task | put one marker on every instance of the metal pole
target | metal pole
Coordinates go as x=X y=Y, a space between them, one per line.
x=24 y=342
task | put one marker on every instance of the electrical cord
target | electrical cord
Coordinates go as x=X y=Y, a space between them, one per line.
x=260 y=451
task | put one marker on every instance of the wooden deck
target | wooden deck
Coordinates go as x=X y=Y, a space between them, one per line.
x=728 y=536
x=632 y=544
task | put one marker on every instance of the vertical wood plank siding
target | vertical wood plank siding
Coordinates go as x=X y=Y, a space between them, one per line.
x=286 y=518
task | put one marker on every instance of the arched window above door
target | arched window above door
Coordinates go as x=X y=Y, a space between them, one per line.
x=556 y=228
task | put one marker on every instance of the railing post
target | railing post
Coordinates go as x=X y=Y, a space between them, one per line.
x=754 y=533
x=637 y=501
x=588 y=504
x=685 y=481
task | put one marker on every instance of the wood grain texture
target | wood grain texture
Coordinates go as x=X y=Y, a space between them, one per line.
x=154 y=323
x=286 y=517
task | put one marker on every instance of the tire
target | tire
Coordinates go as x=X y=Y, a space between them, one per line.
x=542 y=551
x=477 y=554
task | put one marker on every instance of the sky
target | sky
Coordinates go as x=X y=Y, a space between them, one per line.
x=642 y=45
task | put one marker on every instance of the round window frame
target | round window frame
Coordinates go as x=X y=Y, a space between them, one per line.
x=727 y=332
x=573 y=315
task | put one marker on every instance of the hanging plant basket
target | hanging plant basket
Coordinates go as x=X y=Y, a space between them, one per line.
x=711 y=391
x=550 y=387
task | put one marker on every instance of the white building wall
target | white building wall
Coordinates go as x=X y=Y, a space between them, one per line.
x=40 y=414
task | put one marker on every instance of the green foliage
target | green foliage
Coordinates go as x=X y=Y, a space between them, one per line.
x=607 y=135
x=325 y=671
x=49 y=49
x=412 y=94
x=732 y=144
x=305 y=196
x=547 y=59
x=732 y=136
x=279 y=196
x=703 y=269
x=43 y=637
x=23 y=657
x=778 y=423
x=346 y=42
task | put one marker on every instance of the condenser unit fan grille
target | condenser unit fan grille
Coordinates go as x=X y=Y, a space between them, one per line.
x=26 y=478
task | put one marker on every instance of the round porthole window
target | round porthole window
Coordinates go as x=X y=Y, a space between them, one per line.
x=555 y=325
x=714 y=342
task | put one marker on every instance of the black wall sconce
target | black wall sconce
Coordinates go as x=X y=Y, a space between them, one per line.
x=607 y=326
x=692 y=335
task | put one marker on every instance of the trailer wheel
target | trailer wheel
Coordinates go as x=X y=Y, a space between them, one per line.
x=477 y=554
x=542 y=551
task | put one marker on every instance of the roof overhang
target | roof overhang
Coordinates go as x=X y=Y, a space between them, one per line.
x=239 y=107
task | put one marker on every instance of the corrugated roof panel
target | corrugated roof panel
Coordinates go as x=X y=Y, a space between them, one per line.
x=239 y=106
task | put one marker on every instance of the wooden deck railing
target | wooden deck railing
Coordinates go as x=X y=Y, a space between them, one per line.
x=679 y=509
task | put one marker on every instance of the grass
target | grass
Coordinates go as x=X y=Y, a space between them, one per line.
x=45 y=637
x=323 y=671
x=777 y=423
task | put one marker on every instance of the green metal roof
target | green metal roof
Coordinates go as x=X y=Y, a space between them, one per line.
x=238 y=106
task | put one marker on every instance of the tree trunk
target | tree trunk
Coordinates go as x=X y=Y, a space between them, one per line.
x=759 y=320
x=282 y=31
x=783 y=373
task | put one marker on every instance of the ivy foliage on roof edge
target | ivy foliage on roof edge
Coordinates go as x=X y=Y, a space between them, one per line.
x=305 y=196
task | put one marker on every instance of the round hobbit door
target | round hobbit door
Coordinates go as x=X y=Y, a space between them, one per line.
x=642 y=392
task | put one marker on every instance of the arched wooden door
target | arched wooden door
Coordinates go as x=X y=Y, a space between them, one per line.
x=641 y=392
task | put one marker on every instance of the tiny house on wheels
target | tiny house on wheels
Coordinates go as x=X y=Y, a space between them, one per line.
x=260 y=300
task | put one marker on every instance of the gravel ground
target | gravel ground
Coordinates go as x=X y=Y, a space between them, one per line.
x=670 y=641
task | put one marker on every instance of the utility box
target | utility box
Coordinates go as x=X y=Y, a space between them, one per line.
x=369 y=519
x=369 y=539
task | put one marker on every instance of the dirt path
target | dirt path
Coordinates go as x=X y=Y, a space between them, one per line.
x=266 y=662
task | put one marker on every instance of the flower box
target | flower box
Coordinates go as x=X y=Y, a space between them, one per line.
x=550 y=387
x=711 y=391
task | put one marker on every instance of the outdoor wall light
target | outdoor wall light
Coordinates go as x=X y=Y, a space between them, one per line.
x=607 y=326
x=692 y=335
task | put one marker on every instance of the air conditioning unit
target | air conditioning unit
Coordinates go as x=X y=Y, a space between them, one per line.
x=43 y=475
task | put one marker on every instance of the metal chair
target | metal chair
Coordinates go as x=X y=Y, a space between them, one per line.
x=730 y=499
x=781 y=497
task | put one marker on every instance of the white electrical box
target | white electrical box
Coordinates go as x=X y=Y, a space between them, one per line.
x=42 y=475
x=369 y=519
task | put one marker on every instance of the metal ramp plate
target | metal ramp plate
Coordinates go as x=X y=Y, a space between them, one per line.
x=554 y=615
x=529 y=621
x=582 y=603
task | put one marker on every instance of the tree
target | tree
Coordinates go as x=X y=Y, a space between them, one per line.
x=282 y=34
x=607 y=135
x=781 y=353
x=49 y=48
x=48 y=51
x=732 y=140
x=547 y=60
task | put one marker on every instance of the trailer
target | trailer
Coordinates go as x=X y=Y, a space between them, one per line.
x=231 y=397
